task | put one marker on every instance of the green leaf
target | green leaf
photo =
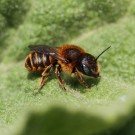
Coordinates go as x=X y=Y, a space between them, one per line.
x=52 y=22
x=109 y=104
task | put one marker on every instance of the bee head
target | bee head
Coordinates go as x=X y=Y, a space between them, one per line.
x=88 y=64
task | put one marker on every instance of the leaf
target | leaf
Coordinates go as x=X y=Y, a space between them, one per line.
x=108 y=105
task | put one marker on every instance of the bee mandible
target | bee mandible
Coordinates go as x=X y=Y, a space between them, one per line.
x=70 y=59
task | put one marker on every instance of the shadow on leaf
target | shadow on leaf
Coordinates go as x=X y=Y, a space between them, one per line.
x=75 y=84
x=59 y=121
x=72 y=82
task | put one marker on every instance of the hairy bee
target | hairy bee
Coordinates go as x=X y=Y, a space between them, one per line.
x=68 y=58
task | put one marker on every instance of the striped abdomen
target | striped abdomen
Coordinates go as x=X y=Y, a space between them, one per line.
x=37 y=61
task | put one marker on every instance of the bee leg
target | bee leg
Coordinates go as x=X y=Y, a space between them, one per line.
x=45 y=74
x=80 y=78
x=57 y=72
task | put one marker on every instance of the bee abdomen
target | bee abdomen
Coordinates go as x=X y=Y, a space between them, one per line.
x=36 y=61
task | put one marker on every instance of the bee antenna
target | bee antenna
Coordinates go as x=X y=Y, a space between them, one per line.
x=102 y=52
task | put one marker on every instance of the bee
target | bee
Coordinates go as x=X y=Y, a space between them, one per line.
x=70 y=59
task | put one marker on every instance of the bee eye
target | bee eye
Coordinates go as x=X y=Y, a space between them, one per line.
x=86 y=70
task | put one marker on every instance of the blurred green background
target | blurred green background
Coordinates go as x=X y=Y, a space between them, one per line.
x=107 y=108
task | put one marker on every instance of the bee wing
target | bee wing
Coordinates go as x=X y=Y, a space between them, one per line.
x=42 y=49
x=49 y=51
